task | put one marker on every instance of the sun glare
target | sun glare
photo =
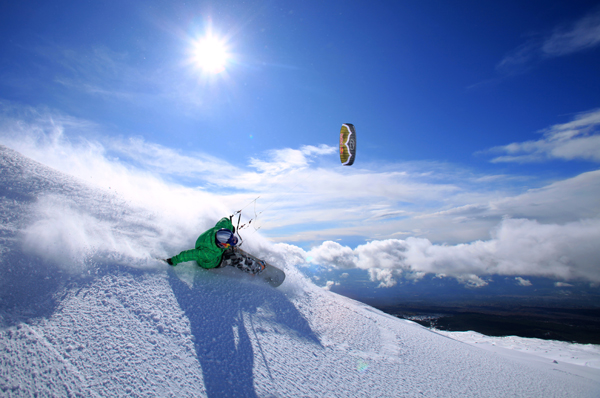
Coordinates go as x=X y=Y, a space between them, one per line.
x=210 y=54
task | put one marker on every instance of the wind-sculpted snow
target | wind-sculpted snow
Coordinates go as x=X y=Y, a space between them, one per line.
x=85 y=311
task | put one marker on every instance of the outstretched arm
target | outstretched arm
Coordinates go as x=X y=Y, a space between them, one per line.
x=187 y=255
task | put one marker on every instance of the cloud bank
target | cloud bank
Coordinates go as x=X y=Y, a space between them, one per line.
x=518 y=247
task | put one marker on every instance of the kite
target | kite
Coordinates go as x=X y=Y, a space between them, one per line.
x=347 y=144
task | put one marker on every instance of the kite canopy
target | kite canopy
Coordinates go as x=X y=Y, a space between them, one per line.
x=347 y=144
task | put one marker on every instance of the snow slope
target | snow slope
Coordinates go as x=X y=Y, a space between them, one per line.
x=86 y=311
x=586 y=355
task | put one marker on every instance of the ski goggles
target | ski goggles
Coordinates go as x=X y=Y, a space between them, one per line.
x=225 y=238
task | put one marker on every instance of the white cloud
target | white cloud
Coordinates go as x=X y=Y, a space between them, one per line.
x=523 y=282
x=332 y=253
x=578 y=139
x=167 y=161
x=385 y=277
x=472 y=281
x=518 y=247
x=562 y=201
x=582 y=35
x=562 y=284
x=282 y=160
x=318 y=150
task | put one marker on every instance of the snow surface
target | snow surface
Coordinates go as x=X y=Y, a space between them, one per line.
x=578 y=354
x=85 y=310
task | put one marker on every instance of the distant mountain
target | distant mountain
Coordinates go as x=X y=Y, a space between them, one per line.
x=85 y=311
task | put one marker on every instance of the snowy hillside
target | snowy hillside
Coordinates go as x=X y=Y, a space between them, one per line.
x=86 y=311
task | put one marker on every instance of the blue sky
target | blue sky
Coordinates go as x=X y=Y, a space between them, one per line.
x=476 y=121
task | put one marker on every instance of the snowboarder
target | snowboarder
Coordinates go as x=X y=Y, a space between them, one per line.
x=215 y=248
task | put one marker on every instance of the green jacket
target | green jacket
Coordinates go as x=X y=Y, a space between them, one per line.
x=207 y=254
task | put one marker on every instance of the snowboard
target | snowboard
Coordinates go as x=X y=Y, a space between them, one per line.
x=271 y=274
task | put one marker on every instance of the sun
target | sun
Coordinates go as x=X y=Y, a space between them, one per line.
x=210 y=54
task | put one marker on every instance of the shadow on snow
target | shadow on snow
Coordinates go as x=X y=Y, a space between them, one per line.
x=220 y=310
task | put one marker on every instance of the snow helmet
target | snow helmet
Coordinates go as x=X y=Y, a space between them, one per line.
x=225 y=238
